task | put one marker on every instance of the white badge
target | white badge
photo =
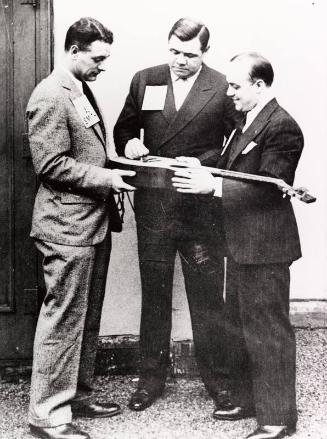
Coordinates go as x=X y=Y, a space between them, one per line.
x=154 y=97
x=86 y=111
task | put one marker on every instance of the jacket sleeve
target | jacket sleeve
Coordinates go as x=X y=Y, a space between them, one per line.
x=129 y=122
x=50 y=145
x=282 y=144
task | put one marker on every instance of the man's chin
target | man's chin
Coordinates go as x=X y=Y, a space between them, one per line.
x=183 y=74
x=91 y=78
x=238 y=107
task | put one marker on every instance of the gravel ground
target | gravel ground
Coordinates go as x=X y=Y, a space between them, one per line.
x=184 y=412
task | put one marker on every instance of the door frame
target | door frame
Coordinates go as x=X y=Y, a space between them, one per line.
x=20 y=299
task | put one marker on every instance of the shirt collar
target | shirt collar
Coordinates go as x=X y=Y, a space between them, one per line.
x=252 y=114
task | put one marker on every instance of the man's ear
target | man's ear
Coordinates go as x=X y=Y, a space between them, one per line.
x=74 y=49
x=206 y=49
x=260 y=83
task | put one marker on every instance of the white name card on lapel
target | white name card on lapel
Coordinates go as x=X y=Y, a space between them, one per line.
x=86 y=111
x=154 y=97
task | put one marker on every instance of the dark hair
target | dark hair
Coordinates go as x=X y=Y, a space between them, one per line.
x=85 y=31
x=260 y=67
x=186 y=29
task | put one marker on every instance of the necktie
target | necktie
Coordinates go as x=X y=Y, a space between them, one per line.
x=88 y=93
x=170 y=108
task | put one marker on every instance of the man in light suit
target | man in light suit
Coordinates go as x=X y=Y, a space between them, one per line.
x=74 y=213
x=183 y=108
x=261 y=240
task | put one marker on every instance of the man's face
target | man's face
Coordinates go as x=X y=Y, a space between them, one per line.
x=185 y=57
x=241 y=89
x=88 y=64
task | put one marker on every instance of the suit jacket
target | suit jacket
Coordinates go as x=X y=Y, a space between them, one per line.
x=197 y=129
x=74 y=199
x=260 y=225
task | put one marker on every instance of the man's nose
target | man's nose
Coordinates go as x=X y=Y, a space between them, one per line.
x=102 y=66
x=181 y=58
x=230 y=91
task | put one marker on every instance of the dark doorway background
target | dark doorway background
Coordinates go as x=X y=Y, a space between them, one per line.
x=26 y=58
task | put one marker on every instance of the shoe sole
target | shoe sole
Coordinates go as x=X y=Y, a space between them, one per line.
x=289 y=431
x=237 y=418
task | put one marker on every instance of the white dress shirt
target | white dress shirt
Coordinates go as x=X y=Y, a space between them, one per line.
x=182 y=87
x=252 y=114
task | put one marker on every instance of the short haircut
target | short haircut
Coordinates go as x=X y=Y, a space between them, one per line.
x=85 y=31
x=260 y=67
x=186 y=29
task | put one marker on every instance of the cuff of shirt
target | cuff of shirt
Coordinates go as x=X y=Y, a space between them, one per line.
x=218 y=187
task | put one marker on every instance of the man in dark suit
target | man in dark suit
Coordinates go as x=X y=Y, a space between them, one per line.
x=261 y=239
x=73 y=214
x=184 y=110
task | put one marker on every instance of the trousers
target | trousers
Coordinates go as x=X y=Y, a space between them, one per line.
x=67 y=330
x=203 y=270
x=262 y=342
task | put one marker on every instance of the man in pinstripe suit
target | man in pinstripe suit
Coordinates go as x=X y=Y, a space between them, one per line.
x=191 y=118
x=261 y=242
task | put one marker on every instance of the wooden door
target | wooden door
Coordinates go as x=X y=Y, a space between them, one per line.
x=25 y=54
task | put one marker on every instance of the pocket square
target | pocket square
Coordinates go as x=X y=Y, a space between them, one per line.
x=248 y=148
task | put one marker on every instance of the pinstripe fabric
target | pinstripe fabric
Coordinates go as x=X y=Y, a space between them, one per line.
x=198 y=127
x=263 y=355
x=169 y=222
x=260 y=224
x=202 y=265
x=262 y=240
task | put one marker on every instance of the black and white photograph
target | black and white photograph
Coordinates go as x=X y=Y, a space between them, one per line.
x=163 y=238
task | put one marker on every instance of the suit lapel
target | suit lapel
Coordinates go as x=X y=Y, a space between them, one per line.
x=74 y=93
x=251 y=133
x=199 y=95
x=97 y=129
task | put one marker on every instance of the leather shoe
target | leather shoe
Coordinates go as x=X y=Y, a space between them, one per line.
x=272 y=432
x=64 y=431
x=84 y=409
x=142 y=399
x=227 y=411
